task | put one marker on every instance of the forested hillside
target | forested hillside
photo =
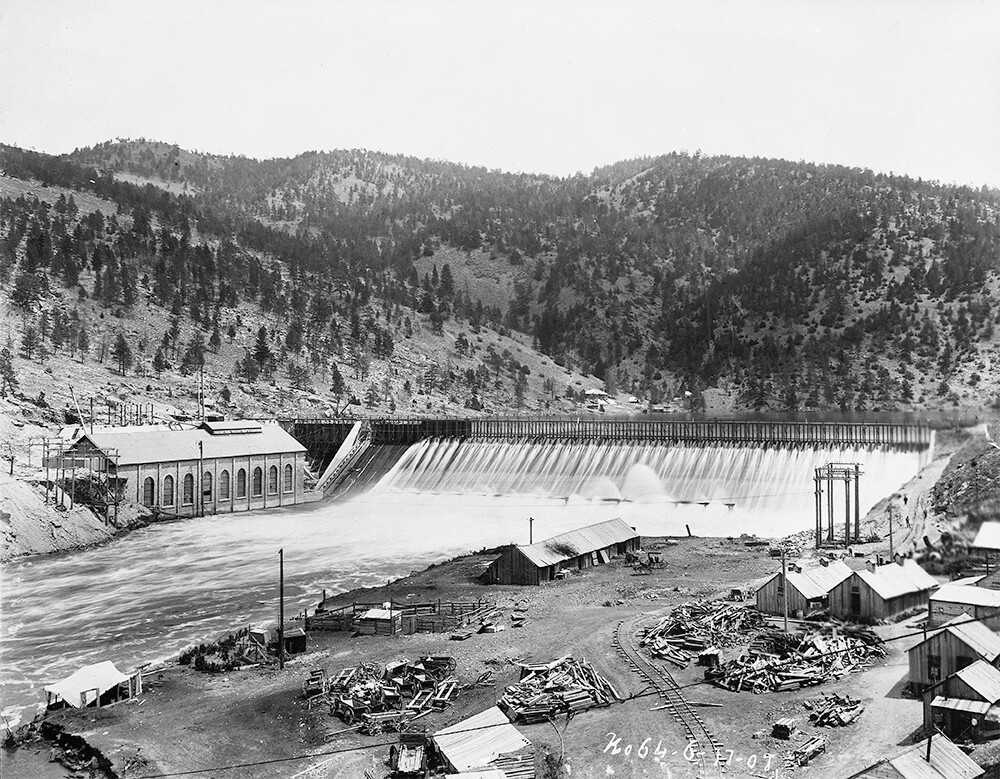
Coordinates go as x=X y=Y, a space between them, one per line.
x=779 y=285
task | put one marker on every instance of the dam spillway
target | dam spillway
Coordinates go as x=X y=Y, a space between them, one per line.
x=760 y=472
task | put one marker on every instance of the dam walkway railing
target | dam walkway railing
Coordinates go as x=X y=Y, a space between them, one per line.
x=389 y=430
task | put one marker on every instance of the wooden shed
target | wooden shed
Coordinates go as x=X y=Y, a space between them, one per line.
x=882 y=592
x=964 y=705
x=958 y=644
x=806 y=588
x=380 y=622
x=953 y=600
x=577 y=549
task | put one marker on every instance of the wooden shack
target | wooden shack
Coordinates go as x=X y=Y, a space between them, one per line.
x=806 y=588
x=953 y=647
x=882 y=592
x=964 y=705
x=575 y=550
x=953 y=600
x=380 y=622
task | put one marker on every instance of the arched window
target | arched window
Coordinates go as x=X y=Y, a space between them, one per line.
x=258 y=482
x=224 y=485
x=188 y=496
x=241 y=483
x=272 y=480
x=168 y=490
x=288 y=478
x=206 y=487
x=149 y=491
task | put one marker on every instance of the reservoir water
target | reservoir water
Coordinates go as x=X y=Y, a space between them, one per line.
x=146 y=596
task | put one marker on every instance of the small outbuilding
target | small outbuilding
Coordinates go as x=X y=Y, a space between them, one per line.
x=939 y=759
x=880 y=592
x=988 y=537
x=577 y=549
x=380 y=622
x=805 y=588
x=486 y=741
x=952 y=600
x=93 y=685
x=964 y=705
x=958 y=644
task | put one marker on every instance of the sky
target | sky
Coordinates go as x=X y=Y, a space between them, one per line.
x=909 y=86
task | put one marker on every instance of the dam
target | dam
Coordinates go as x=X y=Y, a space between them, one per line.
x=752 y=468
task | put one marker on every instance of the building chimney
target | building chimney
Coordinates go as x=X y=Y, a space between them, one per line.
x=870 y=565
x=824 y=562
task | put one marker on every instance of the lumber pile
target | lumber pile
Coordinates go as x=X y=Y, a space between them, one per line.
x=778 y=661
x=808 y=750
x=548 y=689
x=834 y=710
x=384 y=698
x=692 y=628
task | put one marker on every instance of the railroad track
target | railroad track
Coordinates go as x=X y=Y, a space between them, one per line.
x=659 y=679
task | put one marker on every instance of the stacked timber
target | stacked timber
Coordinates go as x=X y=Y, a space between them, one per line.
x=692 y=628
x=562 y=686
x=777 y=661
x=834 y=710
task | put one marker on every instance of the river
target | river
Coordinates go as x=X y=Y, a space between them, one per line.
x=146 y=596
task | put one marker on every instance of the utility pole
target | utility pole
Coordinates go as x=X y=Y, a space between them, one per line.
x=281 y=609
x=784 y=588
x=892 y=506
x=531 y=534
x=201 y=478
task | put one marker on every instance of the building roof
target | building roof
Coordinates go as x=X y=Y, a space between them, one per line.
x=577 y=542
x=988 y=536
x=157 y=443
x=947 y=761
x=378 y=614
x=968 y=594
x=960 y=704
x=893 y=580
x=479 y=740
x=975 y=635
x=78 y=689
x=983 y=678
x=817 y=581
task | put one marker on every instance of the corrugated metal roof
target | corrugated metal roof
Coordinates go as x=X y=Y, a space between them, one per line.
x=983 y=678
x=988 y=536
x=960 y=704
x=976 y=635
x=577 y=542
x=817 y=581
x=893 y=580
x=479 y=740
x=947 y=762
x=970 y=594
x=158 y=444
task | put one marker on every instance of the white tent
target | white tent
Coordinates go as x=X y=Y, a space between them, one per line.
x=86 y=685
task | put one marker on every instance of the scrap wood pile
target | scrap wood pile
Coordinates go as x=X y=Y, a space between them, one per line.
x=562 y=686
x=777 y=661
x=691 y=628
x=385 y=698
x=834 y=710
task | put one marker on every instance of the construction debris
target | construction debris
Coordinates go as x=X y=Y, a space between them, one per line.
x=384 y=698
x=834 y=710
x=783 y=728
x=548 y=689
x=780 y=661
x=692 y=629
x=803 y=754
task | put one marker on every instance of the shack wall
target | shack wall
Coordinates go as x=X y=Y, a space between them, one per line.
x=945 y=611
x=512 y=567
x=771 y=601
x=937 y=658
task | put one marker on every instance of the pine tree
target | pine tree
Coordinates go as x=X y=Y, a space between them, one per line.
x=122 y=353
x=336 y=382
x=29 y=341
x=262 y=353
x=159 y=361
x=8 y=378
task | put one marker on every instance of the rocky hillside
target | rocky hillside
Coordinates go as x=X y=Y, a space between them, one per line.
x=752 y=283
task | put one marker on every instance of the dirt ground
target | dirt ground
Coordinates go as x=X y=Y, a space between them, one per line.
x=177 y=723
